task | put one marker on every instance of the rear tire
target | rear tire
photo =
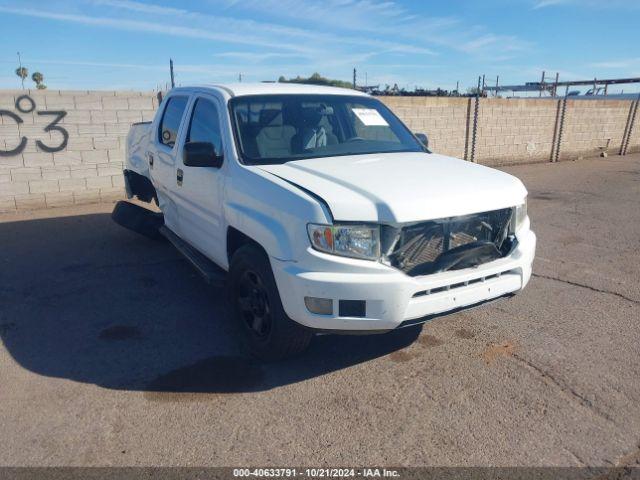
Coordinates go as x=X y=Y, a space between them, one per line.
x=267 y=331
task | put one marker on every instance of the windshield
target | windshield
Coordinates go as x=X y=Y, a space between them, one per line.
x=279 y=128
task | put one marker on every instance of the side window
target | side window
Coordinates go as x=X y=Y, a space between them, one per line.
x=205 y=124
x=170 y=123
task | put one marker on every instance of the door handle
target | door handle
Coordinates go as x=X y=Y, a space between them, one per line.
x=179 y=176
x=150 y=157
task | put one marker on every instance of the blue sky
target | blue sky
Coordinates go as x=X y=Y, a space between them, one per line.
x=113 y=44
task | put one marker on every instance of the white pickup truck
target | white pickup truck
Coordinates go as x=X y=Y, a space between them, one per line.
x=323 y=211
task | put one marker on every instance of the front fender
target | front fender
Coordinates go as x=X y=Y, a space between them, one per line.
x=265 y=230
x=271 y=211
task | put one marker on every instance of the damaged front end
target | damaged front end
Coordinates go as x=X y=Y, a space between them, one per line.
x=450 y=243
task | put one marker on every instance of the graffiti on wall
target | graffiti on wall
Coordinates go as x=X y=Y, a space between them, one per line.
x=25 y=104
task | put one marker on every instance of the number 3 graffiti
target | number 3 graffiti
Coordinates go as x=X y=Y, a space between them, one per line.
x=26 y=104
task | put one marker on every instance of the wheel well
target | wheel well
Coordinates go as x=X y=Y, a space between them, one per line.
x=237 y=239
x=140 y=186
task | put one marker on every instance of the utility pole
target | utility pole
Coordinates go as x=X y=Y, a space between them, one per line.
x=354 y=78
x=240 y=78
x=173 y=83
x=497 y=83
x=541 y=84
x=458 y=87
x=20 y=65
x=555 y=86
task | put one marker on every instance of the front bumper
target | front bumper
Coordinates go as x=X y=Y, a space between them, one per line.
x=392 y=297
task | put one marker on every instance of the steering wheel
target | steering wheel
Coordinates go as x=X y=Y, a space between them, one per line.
x=355 y=139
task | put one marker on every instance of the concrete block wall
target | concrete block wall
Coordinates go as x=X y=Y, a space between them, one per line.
x=515 y=130
x=512 y=131
x=634 y=139
x=633 y=145
x=89 y=168
x=443 y=119
x=590 y=123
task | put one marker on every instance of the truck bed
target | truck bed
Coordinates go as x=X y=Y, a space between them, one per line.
x=136 y=149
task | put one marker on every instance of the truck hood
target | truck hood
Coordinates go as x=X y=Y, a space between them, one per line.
x=401 y=187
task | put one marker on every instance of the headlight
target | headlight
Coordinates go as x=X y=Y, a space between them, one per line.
x=357 y=241
x=521 y=214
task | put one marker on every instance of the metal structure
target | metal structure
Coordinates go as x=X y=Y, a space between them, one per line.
x=631 y=119
x=173 y=83
x=559 y=130
x=476 y=109
x=552 y=87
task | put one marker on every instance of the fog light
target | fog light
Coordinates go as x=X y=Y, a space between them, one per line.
x=319 y=306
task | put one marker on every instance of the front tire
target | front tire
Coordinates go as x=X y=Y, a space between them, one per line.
x=264 y=326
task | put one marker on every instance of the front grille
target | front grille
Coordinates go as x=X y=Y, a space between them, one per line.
x=466 y=283
x=452 y=243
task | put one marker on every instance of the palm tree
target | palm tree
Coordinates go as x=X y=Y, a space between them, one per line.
x=23 y=73
x=38 y=78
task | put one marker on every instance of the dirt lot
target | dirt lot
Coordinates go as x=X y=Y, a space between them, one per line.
x=114 y=352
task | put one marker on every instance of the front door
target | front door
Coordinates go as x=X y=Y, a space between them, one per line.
x=162 y=155
x=199 y=193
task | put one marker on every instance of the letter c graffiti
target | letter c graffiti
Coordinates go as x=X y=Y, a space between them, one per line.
x=19 y=104
x=26 y=104
x=23 y=140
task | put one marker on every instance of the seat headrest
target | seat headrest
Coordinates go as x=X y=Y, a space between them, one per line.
x=313 y=115
x=270 y=117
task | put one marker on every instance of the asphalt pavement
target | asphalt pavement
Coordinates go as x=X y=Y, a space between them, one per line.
x=114 y=352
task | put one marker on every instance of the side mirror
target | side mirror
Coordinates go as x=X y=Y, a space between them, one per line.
x=200 y=154
x=423 y=139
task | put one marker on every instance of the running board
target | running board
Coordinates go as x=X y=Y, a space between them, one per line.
x=212 y=274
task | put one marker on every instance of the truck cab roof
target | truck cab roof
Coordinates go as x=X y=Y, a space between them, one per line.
x=244 y=89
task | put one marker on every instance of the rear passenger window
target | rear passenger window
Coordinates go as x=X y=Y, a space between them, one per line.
x=205 y=124
x=171 y=118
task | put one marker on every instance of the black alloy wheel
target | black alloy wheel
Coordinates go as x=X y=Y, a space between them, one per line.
x=253 y=303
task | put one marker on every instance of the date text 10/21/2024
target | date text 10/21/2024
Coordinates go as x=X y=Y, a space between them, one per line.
x=316 y=472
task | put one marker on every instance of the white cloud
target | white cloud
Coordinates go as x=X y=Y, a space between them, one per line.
x=264 y=29
x=549 y=3
x=626 y=63
x=158 y=28
x=97 y=64
x=363 y=15
x=140 y=7
x=624 y=4
x=266 y=38
x=335 y=27
x=385 y=19
x=255 y=56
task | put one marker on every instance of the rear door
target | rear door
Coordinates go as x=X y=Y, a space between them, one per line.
x=199 y=194
x=162 y=156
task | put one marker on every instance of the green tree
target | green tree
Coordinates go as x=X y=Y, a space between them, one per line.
x=38 y=78
x=23 y=73
x=473 y=91
x=317 y=79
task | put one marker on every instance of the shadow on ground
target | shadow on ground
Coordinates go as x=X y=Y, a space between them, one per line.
x=83 y=299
